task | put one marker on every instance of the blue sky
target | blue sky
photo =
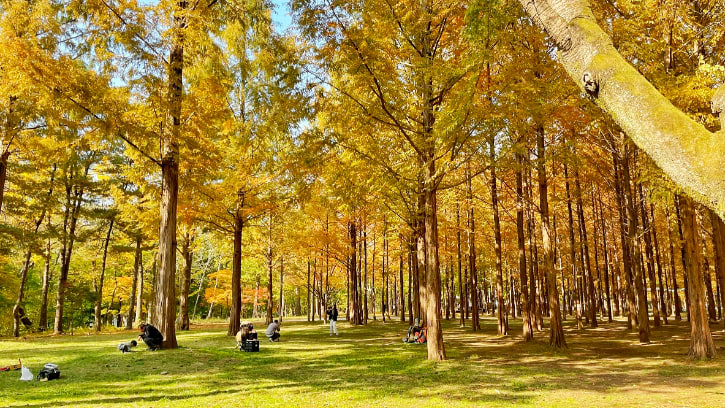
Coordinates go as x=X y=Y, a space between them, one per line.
x=281 y=15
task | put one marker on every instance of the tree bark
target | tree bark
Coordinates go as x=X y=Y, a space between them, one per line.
x=502 y=325
x=235 y=314
x=74 y=200
x=556 y=335
x=165 y=305
x=718 y=244
x=590 y=290
x=632 y=232
x=270 y=259
x=99 y=291
x=137 y=275
x=186 y=253
x=528 y=330
x=662 y=292
x=689 y=154
x=460 y=270
x=43 y=319
x=701 y=342
x=646 y=232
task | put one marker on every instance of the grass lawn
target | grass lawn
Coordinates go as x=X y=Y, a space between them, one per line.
x=370 y=367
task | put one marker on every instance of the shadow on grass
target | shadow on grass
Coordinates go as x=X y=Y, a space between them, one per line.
x=370 y=360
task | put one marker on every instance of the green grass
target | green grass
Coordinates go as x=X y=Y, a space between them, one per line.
x=369 y=366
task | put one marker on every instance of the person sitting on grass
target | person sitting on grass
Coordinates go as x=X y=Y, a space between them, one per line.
x=246 y=332
x=151 y=336
x=273 y=331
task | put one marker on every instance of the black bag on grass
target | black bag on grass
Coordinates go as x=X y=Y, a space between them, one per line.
x=49 y=372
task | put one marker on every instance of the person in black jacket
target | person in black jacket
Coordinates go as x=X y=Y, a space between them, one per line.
x=332 y=317
x=151 y=336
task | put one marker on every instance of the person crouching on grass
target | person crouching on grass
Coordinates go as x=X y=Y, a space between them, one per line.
x=272 y=331
x=151 y=336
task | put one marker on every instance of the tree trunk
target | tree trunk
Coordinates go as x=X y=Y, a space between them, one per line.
x=528 y=330
x=701 y=342
x=500 y=317
x=309 y=300
x=281 y=288
x=431 y=289
x=606 y=256
x=626 y=252
x=718 y=244
x=137 y=275
x=365 y=286
x=74 y=200
x=270 y=293
x=43 y=319
x=646 y=232
x=460 y=271
x=661 y=296
x=685 y=270
x=3 y=174
x=235 y=314
x=632 y=233
x=165 y=306
x=186 y=253
x=591 y=295
x=556 y=336
x=678 y=144
x=675 y=290
x=99 y=291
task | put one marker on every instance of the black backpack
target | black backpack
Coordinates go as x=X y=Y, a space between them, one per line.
x=49 y=372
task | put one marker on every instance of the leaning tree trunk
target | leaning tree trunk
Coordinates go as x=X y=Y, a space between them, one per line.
x=99 y=291
x=556 y=335
x=692 y=156
x=701 y=342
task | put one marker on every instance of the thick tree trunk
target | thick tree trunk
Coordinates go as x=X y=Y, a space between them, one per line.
x=701 y=342
x=689 y=154
x=186 y=253
x=165 y=305
x=556 y=335
x=431 y=289
x=528 y=330
x=99 y=291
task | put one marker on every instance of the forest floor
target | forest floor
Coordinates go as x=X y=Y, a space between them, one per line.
x=370 y=366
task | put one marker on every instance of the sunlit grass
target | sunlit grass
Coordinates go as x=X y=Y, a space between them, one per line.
x=369 y=366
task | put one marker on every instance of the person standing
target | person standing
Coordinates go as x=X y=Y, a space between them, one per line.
x=332 y=317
